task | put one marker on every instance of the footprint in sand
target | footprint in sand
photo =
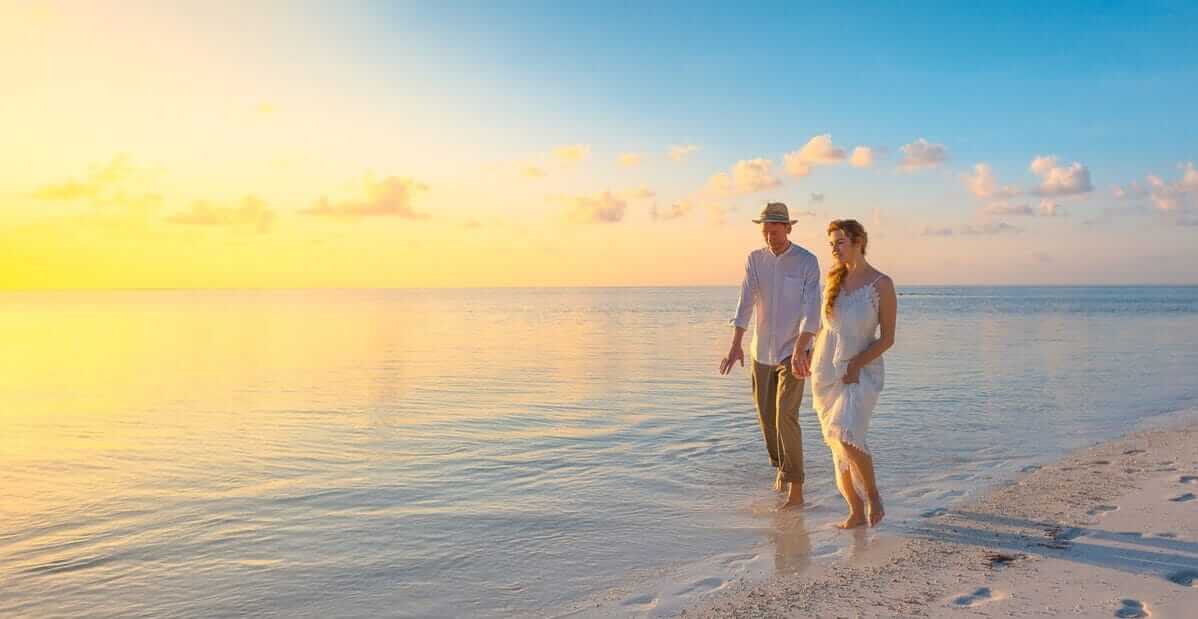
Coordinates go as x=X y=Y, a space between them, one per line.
x=1100 y=462
x=1132 y=609
x=1101 y=509
x=1185 y=578
x=932 y=513
x=1189 y=496
x=643 y=602
x=1029 y=468
x=1188 y=479
x=1069 y=533
x=982 y=596
x=703 y=586
x=737 y=561
x=1132 y=452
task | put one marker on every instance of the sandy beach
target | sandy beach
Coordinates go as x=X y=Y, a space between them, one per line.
x=1109 y=530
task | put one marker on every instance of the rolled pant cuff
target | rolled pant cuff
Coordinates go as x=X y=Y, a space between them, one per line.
x=792 y=477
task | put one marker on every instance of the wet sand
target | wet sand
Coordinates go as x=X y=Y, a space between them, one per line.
x=1110 y=530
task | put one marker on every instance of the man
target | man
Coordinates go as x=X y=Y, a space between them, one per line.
x=781 y=291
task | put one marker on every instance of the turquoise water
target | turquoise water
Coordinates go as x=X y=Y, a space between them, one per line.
x=500 y=452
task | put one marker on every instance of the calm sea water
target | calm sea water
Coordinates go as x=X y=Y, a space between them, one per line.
x=500 y=452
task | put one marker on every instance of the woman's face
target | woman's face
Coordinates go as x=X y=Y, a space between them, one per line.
x=843 y=248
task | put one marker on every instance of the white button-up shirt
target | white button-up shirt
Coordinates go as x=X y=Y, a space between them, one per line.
x=785 y=292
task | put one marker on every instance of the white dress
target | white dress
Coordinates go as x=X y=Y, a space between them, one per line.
x=845 y=410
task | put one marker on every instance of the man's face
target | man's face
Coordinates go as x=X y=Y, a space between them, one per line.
x=775 y=233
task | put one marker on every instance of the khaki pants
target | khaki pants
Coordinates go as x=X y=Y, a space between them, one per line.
x=778 y=393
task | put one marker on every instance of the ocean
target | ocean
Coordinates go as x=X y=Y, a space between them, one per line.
x=503 y=452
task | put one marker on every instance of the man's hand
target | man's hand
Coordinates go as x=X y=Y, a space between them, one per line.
x=852 y=374
x=734 y=355
x=800 y=363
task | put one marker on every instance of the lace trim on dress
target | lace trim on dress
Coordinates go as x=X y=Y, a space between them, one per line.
x=845 y=435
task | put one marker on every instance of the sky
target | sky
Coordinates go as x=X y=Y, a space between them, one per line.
x=288 y=144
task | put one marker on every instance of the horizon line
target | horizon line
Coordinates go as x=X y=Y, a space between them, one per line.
x=556 y=287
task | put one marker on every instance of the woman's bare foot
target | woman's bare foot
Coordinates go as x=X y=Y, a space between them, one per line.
x=875 y=511
x=852 y=522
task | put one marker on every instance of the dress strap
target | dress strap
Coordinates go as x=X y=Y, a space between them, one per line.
x=877 y=279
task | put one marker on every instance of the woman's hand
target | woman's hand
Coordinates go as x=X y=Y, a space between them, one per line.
x=852 y=374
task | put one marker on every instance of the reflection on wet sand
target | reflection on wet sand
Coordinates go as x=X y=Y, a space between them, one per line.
x=792 y=542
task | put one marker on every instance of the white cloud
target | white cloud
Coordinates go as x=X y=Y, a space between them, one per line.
x=251 y=212
x=863 y=157
x=629 y=160
x=1060 y=181
x=717 y=214
x=1189 y=179
x=680 y=153
x=572 y=154
x=605 y=207
x=1133 y=191
x=1000 y=209
x=1048 y=208
x=1166 y=196
x=1041 y=164
x=991 y=229
x=983 y=184
x=819 y=150
x=106 y=185
x=746 y=176
x=640 y=193
x=676 y=210
x=390 y=197
x=922 y=154
x=1176 y=195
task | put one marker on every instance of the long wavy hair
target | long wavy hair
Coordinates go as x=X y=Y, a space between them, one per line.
x=856 y=233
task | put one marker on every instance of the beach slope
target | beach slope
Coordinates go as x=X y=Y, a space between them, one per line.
x=1111 y=530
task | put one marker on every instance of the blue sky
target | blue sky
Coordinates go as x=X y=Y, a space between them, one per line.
x=1000 y=81
x=1059 y=135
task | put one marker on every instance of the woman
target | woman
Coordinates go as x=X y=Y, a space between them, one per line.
x=847 y=368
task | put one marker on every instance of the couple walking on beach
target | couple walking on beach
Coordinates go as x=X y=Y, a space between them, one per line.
x=835 y=336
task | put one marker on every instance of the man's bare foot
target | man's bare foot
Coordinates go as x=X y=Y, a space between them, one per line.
x=794 y=496
x=875 y=511
x=852 y=522
x=792 y=502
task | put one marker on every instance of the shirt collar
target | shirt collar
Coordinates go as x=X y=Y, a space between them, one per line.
x=789 y=249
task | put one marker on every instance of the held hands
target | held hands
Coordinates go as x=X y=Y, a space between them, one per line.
x=734 y=355
x=852 y=374
x=800 y=363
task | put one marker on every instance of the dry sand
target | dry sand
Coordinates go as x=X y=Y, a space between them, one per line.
x=1109 y=531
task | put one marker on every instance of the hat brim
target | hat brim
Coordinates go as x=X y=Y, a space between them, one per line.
x=776 y=221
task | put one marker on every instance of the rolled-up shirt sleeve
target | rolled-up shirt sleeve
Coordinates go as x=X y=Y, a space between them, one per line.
x=812 y=302
x=748 y=291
